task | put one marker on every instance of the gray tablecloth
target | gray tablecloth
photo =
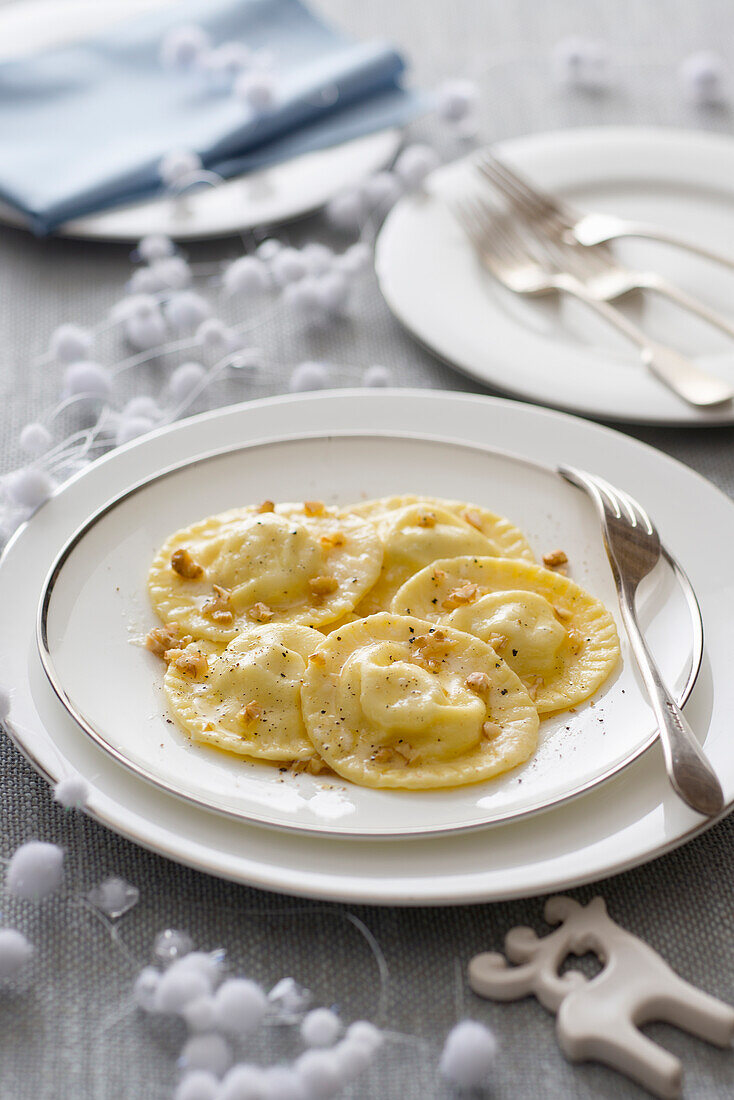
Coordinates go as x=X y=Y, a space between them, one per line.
x=69 y=1031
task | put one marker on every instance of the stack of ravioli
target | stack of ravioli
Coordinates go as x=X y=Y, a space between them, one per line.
x=407 y=642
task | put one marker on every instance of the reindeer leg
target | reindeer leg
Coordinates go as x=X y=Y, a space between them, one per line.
x=692 y=1010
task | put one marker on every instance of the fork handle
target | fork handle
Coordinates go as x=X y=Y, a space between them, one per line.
x=651 y=281
x=598 y=229
x=688 y=769
x=694 y=385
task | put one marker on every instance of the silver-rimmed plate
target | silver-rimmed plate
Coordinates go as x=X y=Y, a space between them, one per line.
x=93 y=611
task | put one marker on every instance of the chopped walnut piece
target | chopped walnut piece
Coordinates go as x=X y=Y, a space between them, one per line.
x=314 y=507
x=533 y=685
x=314 y=765
x=429 y=649
x=317 y=659
x=554 y=559
x=562 y=613
x=162 y=638
x=323 y=586
x=465 y=593
x=250 y=713
x=183 y=564
x=219 y=607
x=491 y=729
x=498 y=642
x=387 y=755
x=575 y=641
x=336 y=538
x=478 y=682
x=427 y=519
x=438 y=575
x=267 y=506
x=192 y=665
x=260 y=613
x=473 y=518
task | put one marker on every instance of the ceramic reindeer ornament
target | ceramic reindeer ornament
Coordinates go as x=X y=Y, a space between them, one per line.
x=598 y=1018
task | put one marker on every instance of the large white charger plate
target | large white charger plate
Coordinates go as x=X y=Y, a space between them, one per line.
x=94 y=604
x=628 y=820
x=278 y=193
x=551 y=350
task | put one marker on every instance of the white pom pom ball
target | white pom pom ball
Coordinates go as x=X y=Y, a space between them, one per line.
x=213 y=335
x=365 y=1034
x=15 y=951
x=182 y=46
x=145 y=281
x=185 y=379
x=257 y=89
x=351 y=1058
x=30 y=488
x=144 y=333
x=172 y=272
x=208 y=1052
x=376 y=376
x=200 y=1014
x=155 y=246
x=267 y=249
x=179 y=987
x=247 y=275
x=414 y=163
x=199 y=1084
x=139 y=306
x=468 y=1054
x=303 y=298
x=87 y=377
x=347 y=210
x=35 y=870
x=131 y=427
x=356 y=258
x=144 y=989
x=185 y=310
x=309 y=376
x=319 y=259
x=319 y=1071
x=455 y=99
x=381 y=190
x=240 y=1006
x=282 y=1083
x=4 y=704
x=70 y=342
x=208 y=963
x=71 y=792
x=320 y=1027
x=288 y=265
x=142 y=405
x=332 y=292
x=581 y=63
x=35 y=439
x=242 y=1082
x=703 y=76
x=178 y=165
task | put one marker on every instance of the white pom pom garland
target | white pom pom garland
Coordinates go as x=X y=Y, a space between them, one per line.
x=185 y=379
x=268 y=249
x=171 y=272
x=208 y=963
x=320 y=1027
x=318 y=258
x=240 y=1006
x=72 y=792
x=155 y=246
x=178 y=987
x=145 y=333
x=35 y=870
x=468 y=1054
x=347 y=210
x=200 y=1014
x=208 y=1052
x=131 y=427
x=319 y=1071
x=178 y=166
x=288 y=265
x=365 y=1034
x=142 y=405
x=87 y=377
x=247 y=275
x=35 y=439
x=182 y=46
x=30 y=488
x=199 y=1084
x=355 y=259
x=242 y=1082
x=15 y=951
x=703 y=76
x=185 y=310
x=309 y=376
x=70 y=342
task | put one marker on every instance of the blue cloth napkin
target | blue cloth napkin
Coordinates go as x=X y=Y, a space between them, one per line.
x=83 y=127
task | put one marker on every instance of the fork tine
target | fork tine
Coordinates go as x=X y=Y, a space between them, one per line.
x=516 y=198
x=515 y=185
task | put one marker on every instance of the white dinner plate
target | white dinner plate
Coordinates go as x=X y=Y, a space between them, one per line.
x=278 y=193
x=96 y=590
x=627 y=820
x=551 y=350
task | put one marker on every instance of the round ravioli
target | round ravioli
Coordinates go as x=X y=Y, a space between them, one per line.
x=246 y=698
x=291 y=563
x=394 y=701
x=416 y=530
x=560 y=641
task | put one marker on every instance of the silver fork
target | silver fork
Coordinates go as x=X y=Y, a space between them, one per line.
x=525 y=265
x=591 y=228
x=633 y=547
x=533 y=206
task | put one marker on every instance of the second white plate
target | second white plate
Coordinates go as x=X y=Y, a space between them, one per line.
x=95 y=605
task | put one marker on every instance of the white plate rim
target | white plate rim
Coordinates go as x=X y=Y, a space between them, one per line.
x=87 y=727
x=712 y=142
x=625 y=846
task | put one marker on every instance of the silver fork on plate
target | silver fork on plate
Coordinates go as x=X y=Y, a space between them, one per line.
x=633 y=547
x=528 y=264
x=591 y=228
x=536 y=207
